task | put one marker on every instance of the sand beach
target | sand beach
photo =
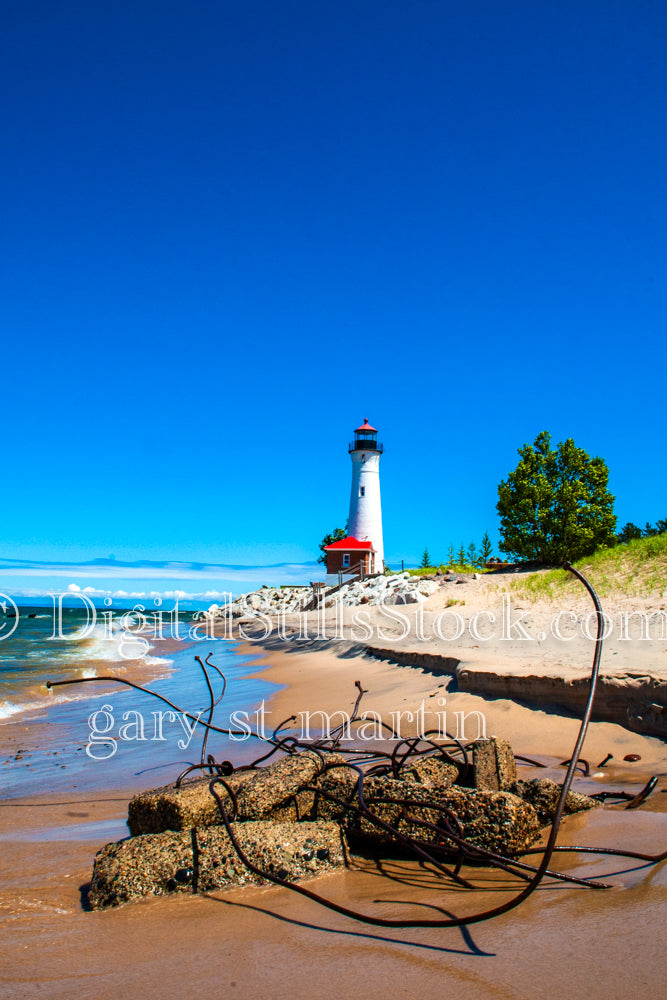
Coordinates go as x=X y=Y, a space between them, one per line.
x=267 y=941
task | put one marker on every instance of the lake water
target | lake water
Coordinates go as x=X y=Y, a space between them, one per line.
x=98 y=733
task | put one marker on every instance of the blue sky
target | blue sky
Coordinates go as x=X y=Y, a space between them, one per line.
x=233 y=230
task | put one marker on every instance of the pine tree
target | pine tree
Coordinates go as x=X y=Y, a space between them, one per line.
x=485 y=550
x=629 y=533
x=426 y=559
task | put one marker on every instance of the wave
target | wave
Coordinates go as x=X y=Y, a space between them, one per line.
x=36 y=698
x=10 y=708
x=115 y=645
x=87 y=653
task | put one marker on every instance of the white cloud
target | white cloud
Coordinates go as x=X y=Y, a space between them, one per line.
x=284 y=573
x=188 y=582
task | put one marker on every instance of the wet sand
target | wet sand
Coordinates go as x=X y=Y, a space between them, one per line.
x=563 y=941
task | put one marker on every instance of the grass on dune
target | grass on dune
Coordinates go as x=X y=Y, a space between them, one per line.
x=450 y=568
x=637 y=569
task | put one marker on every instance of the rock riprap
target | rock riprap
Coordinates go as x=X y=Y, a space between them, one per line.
x=400 y=588
x=294 y=817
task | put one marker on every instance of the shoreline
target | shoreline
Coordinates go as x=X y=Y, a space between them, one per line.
x=393 y=687
x=527 y=651
x=619 y=698
x=255 y=939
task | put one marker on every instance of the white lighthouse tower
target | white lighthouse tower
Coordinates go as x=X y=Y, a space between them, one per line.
x=365 y=523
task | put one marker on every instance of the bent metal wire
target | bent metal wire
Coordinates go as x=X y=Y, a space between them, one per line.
x=452 y=845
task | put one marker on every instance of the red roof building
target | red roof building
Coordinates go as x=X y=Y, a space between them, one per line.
x=349 y=555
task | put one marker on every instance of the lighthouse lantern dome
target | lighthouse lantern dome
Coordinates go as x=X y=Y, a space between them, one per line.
x=365 y=438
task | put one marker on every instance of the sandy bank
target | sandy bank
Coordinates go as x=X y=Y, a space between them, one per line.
x=490 y=642
x=320 y=677
x=632 y=699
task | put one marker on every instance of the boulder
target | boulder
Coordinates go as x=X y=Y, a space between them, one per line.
x=494 y=767
x=432 y=772
x=259 y=793
x=543 y=795
x=204 y=859
x=497 y=821
x=401 y=596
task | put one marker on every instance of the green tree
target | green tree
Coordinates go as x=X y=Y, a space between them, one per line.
x=450 y=555
x=461 y=556
x=485 y=550
x=555 y=505
x=426 y=559
x=335 y=536
x=629 y=532
x=472 y=554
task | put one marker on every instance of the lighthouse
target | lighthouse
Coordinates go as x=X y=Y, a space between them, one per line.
x=365 y=521
x=362 y=551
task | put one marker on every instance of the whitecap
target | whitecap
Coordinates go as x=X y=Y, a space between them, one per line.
x=114 y=646
x=8 y=708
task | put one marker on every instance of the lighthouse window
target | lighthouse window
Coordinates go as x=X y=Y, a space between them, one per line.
x=346 y=559
x=362 y=491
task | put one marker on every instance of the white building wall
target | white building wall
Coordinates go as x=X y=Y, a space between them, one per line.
x=365 y=505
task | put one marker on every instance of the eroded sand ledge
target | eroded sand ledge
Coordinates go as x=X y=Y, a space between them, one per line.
x=635 y=701
x=632 y=699
x=533 y=653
